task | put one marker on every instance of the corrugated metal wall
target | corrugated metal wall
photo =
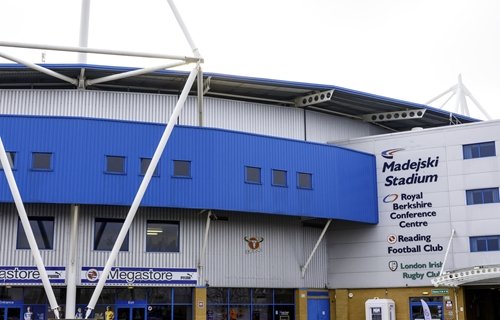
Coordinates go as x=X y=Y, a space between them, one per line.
x=10 y=256
x=218 y=113
x=285 y=246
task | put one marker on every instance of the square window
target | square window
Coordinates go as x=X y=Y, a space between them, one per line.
x=482 y=196
x=479 y=150
x=252 y=175
x=105 y=233
x=162 y=236
x=304 y=180
x=11 y=156
x=115 y=164
x=145 y=162
x=279 y=178
x=43 y=230
x=182 y=168
x=41 y=161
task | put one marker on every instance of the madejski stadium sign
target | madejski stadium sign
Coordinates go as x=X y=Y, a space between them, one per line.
x=140 y=276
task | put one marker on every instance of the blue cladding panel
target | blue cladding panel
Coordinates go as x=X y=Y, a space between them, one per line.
x=343 y=181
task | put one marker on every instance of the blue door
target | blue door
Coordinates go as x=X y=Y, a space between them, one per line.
x=318 y=309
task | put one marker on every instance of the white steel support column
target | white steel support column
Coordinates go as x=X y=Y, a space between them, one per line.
x=84 y=30
x=71 y=269
x=447 y=251
x=201 y=261
x=23 y=216
x=304 y=268
x=142 y=190
x=184 y=28
x=199 y=85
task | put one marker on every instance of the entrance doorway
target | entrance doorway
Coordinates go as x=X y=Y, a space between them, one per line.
x=435 y=307
x=482 y=303
x=131 y=313
x=10 y=313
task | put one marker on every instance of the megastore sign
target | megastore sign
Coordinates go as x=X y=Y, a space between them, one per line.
x=18 y=275
x=140 y=276
x=407 y=206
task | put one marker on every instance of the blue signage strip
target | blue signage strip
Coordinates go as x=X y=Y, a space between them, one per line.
x=12 y=275
x=141 y=276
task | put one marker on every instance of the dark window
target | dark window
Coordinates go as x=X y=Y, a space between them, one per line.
x=304 y=180
x=162 y=236
x=252 y=175
x=479 y=150
x=145 y=162
x=115 y=164
x=486 y=243
x=182 y=168
x=43 y=230
x=279 y=178
x=41 y=161
x=11 y=156
x=105 y=234
x=480 y=196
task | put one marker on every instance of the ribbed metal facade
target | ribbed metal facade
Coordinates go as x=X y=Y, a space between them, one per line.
x=285 y=122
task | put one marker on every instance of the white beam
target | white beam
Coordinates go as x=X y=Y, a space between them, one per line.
x=39 y=68
x=142 y=190
x=304 y=268
x=23 y=216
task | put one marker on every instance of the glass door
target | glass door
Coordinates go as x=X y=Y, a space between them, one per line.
x=11 y=313
x=130 y=313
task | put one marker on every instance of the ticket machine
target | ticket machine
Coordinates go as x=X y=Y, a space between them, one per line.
x=380 y=309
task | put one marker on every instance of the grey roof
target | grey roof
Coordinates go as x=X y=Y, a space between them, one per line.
x=344 y=102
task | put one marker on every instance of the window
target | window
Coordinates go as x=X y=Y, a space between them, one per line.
x=479 y=150
x=162 y=236
x=11 y=156
x=182 y=168
x=304 y=180
x=105 y=233
x=43 y=230
x=145 y=162
x=486 y=243
x=279 y=178
x=115 y=164
x=252 y=175
x=480 y=196
x=41 y=161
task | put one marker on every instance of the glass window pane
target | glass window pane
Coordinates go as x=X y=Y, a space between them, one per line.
x=304 y=180
x=43 y=230
x=488 y=196
x=34 y=296
x=488 y=149
x=239 y=295
x=252 y=175
x=239 y=312
x=217 y=295
x=493 y=244
x=284 y=312
x=263 y=313
x=182 y=168
x=145 y=162
x=11 y=293
x=162 y=236
x=159 y=312
x=105 y=233
x=284 y=296
x=183 y=312
x=11 y=156
x=115 y=164
x=262 y=296
x=41 y=161
x=183 y=295
x=216 y=312
x=279 y=178
x=477 y=197
x=160 y=295
x=481 y=245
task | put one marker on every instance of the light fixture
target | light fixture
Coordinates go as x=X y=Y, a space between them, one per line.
x=394 y=115
x=314 y=98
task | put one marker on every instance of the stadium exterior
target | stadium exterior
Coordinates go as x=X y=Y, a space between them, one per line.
x=263 y=205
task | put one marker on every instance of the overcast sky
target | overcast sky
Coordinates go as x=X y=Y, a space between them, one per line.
x=412 y=50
